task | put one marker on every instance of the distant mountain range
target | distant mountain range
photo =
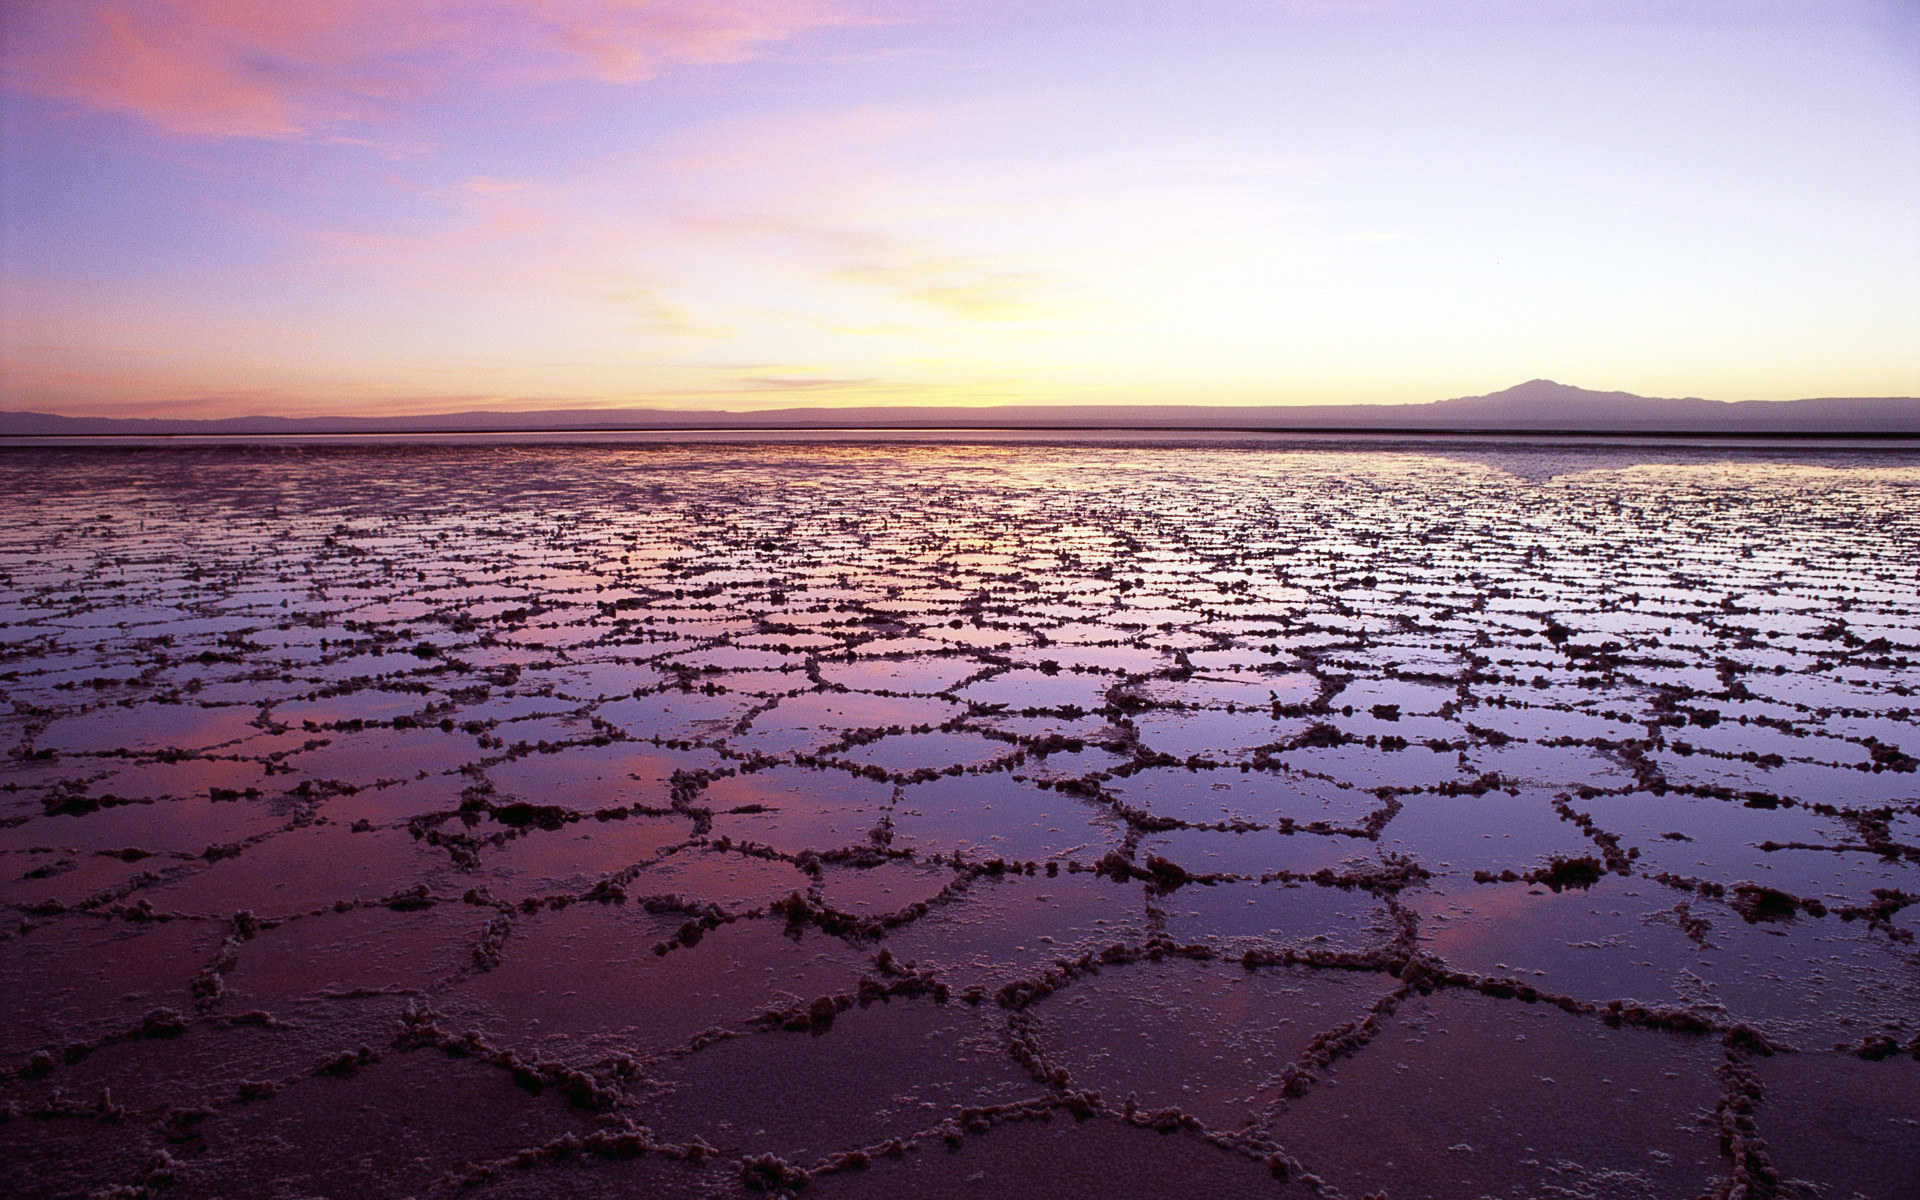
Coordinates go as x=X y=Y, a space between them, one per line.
x=1538 y=406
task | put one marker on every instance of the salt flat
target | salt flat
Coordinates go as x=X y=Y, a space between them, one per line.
x=950 y=819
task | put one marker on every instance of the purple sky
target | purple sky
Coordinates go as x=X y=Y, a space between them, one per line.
x=215 y=207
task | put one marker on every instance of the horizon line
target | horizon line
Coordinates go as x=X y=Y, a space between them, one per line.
x=1010 y=427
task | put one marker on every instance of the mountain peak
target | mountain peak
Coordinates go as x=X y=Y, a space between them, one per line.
x=1536 y=400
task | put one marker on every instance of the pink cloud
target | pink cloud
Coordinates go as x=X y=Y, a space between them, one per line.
x=279 y=68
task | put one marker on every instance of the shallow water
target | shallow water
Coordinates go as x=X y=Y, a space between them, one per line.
x=1440 y=818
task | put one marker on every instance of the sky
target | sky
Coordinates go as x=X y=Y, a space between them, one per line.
x=223 y=207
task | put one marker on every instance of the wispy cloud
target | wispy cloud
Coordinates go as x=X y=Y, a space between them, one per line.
x=974 y=287
x=282 y=68
x=782 y=383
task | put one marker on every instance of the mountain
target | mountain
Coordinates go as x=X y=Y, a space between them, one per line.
x=1545 y=405
x=1539 y=405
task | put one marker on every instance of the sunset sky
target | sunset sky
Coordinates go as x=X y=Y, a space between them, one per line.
x=220 y=207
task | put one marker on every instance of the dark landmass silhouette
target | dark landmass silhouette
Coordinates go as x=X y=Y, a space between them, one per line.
x=1537 y=406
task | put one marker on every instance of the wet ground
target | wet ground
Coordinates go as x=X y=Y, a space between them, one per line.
x=946 y=820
